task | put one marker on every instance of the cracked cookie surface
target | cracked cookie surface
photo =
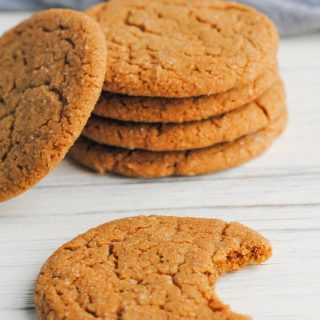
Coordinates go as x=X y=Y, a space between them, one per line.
x=147 y=268
x=148 y=164
x=49 y=83
x=166 y=110
x=192 y=135
x=179 y=48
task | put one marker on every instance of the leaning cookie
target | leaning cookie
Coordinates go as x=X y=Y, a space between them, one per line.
x=174 y=48
x=166 y=110
x=147 y=164
x=145 y=268
x=193 y=135
x=50 y=81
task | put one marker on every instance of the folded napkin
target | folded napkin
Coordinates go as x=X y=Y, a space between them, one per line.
x=291 y=16
x=26 y=5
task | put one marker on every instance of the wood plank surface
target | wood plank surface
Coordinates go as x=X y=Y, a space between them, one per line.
x=277 y=194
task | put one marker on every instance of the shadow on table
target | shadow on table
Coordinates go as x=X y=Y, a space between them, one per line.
x=29 y=309
x=30 y=314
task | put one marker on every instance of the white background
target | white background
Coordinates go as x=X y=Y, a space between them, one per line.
x=277 y=194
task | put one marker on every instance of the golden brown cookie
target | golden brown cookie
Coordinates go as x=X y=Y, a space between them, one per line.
x=183 y=48
x=191 y=135
x=148 y=164
x=148 y=109
x=50 y=81
x=147 y=268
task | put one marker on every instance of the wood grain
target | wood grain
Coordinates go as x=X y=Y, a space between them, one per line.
x=277 y=194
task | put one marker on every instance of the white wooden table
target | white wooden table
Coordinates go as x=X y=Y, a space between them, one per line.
x=277 y=194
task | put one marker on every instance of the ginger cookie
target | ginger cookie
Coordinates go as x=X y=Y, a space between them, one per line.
x=191 y=135
x=147 y=268
x=180 y=48
x=147 y=164
x=148 y=109
x=49 y=83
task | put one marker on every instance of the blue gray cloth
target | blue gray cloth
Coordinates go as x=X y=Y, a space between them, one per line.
x=291 y=16
x=26 y=5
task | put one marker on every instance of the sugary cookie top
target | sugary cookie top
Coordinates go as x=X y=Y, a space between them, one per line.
x=146 y=268
x=183 y=48
x=51 y=77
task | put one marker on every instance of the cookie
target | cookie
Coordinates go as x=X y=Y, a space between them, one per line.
x=147 y=268
x=147 y=164
x=50 y=81
x=191 y=135
x=183 y=48
x=146 y=109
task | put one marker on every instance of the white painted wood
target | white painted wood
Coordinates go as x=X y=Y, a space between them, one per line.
x=277 y=194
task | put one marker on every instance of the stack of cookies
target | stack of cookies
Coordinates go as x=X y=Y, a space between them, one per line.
x=191 y=87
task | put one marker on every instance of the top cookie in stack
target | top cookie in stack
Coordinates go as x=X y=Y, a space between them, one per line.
x=183 y=48
x=192 y=87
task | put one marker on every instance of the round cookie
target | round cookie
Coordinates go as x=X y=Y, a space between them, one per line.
x=191 y=135
x=144 y=268
x=147 y=164
x=166 y=110
x=49 y=83
x=180 y=48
